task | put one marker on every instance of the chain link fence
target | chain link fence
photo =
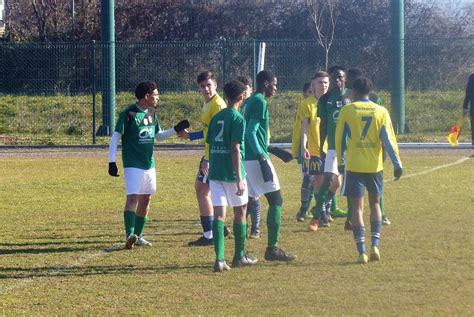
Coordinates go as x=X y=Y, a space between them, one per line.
x=50 y=93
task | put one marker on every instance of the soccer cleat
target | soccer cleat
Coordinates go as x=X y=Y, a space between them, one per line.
x=227 y=232
x=141 y=242
x=362 y=258
x=338 y=213
x=374 y=254
x=348 y=225
x=330 y=219
x=201 y=242
x=300 y=217
x=221 y=266
x=254 y=235
x=246 y=260
x=386 y=221
x=277 y=254
x=131 y=241
x=324 y=224
x=313 y=224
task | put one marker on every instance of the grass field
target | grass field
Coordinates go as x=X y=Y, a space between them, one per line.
x=61 y=246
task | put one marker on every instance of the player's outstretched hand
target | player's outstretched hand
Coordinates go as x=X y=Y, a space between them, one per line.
x=282 y=154
x=113 y=170
x=397 y=173
x=341 y=169
x=265 y=168
x=183 y=124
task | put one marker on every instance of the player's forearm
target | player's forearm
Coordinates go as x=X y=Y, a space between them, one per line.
x=164 y=134
x=322 y=135
x=304 y=135
x=391 y=147
x=235 y=154
x=113 y=145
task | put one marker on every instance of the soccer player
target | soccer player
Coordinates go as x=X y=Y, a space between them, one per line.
x=364 y=130
x=352 y=75
x=227 y=176
x=469 y=99
x=253 y=206
x=261 y=176
x=138 y=126
x=207 y=84
x=305 y=141
x=329 y=106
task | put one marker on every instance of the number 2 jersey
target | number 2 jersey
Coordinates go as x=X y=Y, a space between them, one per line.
x=138 y=128
x=363 y=130
x=226 y=127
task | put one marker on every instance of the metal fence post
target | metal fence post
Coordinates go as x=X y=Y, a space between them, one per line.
x=93 y=93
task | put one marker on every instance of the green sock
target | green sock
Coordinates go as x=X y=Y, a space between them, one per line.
x=273 y=225
x=322 y=194
x=349 y=210
x=140 y=223
x=240 y=237
x=334 y=204
x=218 y=238
x=382 y=204
x=129 y=221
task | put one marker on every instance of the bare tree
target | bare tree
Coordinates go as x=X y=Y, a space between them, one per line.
x=324 y=14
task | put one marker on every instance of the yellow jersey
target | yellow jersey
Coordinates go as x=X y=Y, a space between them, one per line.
x=364 y=129
x=307 y=109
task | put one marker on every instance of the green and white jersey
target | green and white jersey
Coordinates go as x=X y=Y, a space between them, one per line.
x=138 y=128
x=255 y=110
x=226 y=127
x=329 y=107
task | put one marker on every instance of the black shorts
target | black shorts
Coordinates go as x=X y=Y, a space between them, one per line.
x=313 y=166
x=200 y=175
x=354 y=184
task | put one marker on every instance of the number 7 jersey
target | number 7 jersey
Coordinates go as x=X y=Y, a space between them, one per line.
x=363 y=131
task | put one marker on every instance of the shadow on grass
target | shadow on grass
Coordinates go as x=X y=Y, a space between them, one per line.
x=26 y=273
x=40 y=251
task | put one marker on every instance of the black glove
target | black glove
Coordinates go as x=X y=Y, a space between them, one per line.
x=265 y=168
x=322 y=155
x=113 y=170
x=397 y=173
x=341 y=169
x=282 y=154
x=183 y=124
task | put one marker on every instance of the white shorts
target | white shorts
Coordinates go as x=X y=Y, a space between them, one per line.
x=138 y=181
x=225 y=194
x=330 y=163
x=257 y=186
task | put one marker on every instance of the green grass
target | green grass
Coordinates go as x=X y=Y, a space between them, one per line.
x=63 y=120
x=61 y=246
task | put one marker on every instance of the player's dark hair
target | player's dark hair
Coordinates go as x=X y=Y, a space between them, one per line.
x=205 y=75
x=355 y=72
x=362 y=85
x=319 y=74
x=144 y=88
x=245 y=80
x=262 y=77
x=233 y=90
x=336 y=68
x=306 y=86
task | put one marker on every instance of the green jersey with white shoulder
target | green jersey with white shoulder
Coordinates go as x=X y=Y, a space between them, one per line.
x=329 y=106
x=138 y=128
x=255 y=112
x=226 y=127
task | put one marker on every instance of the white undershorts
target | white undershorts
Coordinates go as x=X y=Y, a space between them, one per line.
x=257 y=186
x=330 y=163
x=225 y=194
x=140 y=182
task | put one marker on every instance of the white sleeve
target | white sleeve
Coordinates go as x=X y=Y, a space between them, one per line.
x=114 y=140
x=164 y=134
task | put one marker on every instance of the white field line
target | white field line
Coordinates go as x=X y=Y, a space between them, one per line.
x=431 y=169
x=58 y=270
x=85 y=258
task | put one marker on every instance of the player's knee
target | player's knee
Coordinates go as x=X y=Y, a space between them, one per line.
x=274 y=198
